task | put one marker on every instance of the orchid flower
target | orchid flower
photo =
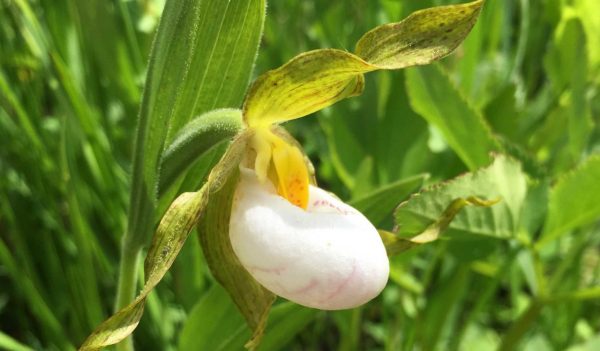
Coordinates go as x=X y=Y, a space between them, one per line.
x=296 y=239
x=265 y=227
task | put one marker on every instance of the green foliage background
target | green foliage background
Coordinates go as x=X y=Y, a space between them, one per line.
x=524 y=83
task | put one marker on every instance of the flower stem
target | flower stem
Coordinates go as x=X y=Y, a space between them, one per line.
x=126 y=289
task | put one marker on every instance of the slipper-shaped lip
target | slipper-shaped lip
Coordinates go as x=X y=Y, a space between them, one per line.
x=328 y=256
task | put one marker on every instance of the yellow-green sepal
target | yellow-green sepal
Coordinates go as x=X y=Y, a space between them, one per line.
x=309 y=82
x=421 y=38
x=317 y=79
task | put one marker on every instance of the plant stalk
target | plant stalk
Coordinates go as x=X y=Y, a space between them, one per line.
x=127 y=285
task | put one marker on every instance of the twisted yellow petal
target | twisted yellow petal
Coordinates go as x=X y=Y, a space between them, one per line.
x=283 y=163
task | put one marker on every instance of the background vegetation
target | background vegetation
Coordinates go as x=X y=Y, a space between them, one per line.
x=71 y=81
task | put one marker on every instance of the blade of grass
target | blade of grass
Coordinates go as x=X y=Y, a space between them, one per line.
x=10 y=344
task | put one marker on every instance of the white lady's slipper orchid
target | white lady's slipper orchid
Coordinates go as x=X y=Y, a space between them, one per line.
x=299 y=241
x=295 y=239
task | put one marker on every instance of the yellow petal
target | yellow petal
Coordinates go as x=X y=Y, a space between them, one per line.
x=283 y=164
x=292 y=174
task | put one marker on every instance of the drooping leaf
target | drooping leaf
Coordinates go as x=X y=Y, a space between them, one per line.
x=437 y=100
x=173 y=230
x=168 y=240
x=503 y=181
x=395 y=244
x=194 y=176
x=573 y=201
x=316 y=79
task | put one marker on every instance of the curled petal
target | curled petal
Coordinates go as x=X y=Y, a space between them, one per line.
x=328 y=256
x=290 y=172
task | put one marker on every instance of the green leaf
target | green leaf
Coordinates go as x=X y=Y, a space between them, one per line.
x=109 y=55
x=215 y=324
x=201 y=59
x=316 y=79
x=573 y=201
x=587 y=10
x=397 y=142
x=570 y=50
x=212 y=323
x=11 y=102
x=195 y=176
x=381 y=202
x=195 y=138
x=395 y=245
x=286 y=321
x=10 y=344
x=442 y=309
x=503 y=180
x=251 y=298
x=423 y=37
x=437 y=100
x=173 y=230
x=592 y=293
x=220 y=55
